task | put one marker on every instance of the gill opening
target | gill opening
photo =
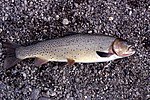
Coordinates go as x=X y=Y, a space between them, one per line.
x=113 y=47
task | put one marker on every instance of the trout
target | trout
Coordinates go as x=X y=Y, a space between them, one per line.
x=79 y=48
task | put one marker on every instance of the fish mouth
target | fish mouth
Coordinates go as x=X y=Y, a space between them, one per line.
x=130 y=51
x=133 y=52
x=129 y=54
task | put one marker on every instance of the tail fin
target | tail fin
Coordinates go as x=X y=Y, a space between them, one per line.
x=9 y=51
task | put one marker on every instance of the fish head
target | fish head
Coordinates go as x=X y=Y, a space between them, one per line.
x=122 y=48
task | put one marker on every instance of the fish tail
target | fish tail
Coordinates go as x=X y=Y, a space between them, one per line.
x=9 y=51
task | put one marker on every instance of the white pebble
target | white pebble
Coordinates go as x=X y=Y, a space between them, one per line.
x=130 y=13
x=57 y=17
x=111 y=18
x=1 y=30
x=76 y=5
x=65 y=21
x=30 y=89
x=24 y=75
x=53 y=94
x=85 y=97
x=90 y=31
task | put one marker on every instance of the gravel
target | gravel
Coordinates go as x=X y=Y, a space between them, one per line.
x=28 y=22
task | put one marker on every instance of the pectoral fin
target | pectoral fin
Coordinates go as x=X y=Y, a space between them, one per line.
x=70 y=61
x=39 y=61
x=104 y=54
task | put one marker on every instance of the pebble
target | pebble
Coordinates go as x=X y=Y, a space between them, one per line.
x=130 y=13
x=1 y=30
x=24 y=75
x=90 y=31
x=35 y=94
x=57 y=17
x=111 y=18
x=65 y=21
x=53 y=94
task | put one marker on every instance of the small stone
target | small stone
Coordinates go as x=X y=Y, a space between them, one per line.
x=148 y=96
x=130 y=13
x=1 y=30
x=111 y=18
x=76 y=5
x=24 y=75
x=57 y=17
x=77 y=79
x=35 y=94
x=70 y=98
x=0 y=46
x=90 y=31
x=2 y=85
x=65 y=21
x=48 y=93
x=30 y=89
x=85 y=97
x=53 y=94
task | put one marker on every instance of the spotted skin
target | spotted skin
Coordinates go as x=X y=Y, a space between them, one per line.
x=80 y=47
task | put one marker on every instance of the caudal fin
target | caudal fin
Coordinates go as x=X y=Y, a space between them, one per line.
x=9 y=52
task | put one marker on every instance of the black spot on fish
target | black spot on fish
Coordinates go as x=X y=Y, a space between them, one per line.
x=75 y=56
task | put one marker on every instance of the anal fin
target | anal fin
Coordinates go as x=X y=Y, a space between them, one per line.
x=70 y=61
x=40 y=61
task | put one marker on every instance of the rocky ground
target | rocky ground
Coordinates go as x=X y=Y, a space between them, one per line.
x=27 y=22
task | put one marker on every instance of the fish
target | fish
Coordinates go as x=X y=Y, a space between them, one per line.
x=77 y=48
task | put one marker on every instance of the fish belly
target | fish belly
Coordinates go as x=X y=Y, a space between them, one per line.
x=78 y=56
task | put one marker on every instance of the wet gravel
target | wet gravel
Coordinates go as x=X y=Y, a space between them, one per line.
x=27 y=22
